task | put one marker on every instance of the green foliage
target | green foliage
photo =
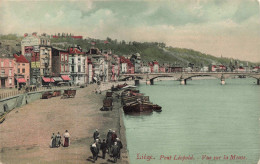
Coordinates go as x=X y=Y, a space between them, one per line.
x=10 y=37
x=149 y=51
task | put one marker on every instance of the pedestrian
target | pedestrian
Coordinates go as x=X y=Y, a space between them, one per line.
x=114 y=151
x=96 y=135
x=98 y=144
x=120 y=146
x=94 y=151
x=66 y=136
x=109 y=140
x=114 y=136
x=53 y=140
x=58 y=139
x=103 y=148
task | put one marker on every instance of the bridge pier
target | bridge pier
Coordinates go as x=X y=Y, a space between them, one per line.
x=222 y=79
x=148 y=82
x=258 y=82
x=151 y=82
x=223 y=82
x=183 y=81
x=137 y=82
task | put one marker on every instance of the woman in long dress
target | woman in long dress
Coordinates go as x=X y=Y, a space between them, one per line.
x=66 y=141
x=53 y=141
x=58 y=139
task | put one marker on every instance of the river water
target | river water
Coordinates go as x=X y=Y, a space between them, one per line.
x=202 y=119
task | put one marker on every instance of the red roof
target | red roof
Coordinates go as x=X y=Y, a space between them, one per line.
x=77 y=37
x=20 y=58
x=124 y=60
x=65 y=77
x=75 y=51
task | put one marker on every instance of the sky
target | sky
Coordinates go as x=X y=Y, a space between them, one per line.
x=228 y=28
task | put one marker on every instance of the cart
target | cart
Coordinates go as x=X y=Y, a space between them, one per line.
x=46 y=95
x=107 y=104
x=69 y=93
x=56 y=93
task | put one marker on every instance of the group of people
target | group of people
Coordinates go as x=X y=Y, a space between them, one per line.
x=56 y=140
x=111 y=145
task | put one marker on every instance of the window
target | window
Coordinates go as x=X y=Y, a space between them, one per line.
x=10 y=81
x=23 y=64
x=2 y=71
x=66 y=67
x=79 y=59
x=66 y=57
x=10 y=63
x=18 y=70
x=78 y=77
x=79 y=68
x=62 y=57
x=10 y=72
x=23 y=70
x=2 y=63
x=72 y=68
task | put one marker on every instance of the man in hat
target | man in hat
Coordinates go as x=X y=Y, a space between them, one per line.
x=114 y=151
x=94 y=151
x=109 y=140
x=114 y=136
x=103 y=148
x=120 y=146
x=96 y=134
x=98 y=144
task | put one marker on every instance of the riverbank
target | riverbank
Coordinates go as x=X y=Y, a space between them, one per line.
x=26 y=132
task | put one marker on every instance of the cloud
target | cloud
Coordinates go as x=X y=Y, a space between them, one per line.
x=206 y=25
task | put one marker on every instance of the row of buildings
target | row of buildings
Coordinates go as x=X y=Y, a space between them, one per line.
x=41 y=64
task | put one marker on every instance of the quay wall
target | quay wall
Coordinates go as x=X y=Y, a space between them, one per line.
x=10 y=103
x=107 y=85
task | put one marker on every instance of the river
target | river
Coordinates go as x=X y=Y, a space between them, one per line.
x=203 y=120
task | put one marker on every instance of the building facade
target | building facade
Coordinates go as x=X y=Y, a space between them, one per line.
x=77 y=63
x=7 y=68
x=22 y=71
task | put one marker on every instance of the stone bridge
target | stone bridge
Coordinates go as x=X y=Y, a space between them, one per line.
x=183 y=76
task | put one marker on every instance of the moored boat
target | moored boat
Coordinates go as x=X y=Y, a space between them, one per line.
x=157 y=108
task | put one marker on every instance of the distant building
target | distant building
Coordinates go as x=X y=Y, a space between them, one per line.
x=100 y=65
x=22 y=70
x=77 y=62
x=127 y=64
x=136 y=61
x=31 y=45
x=176 y=69
x=154 y=66
x=145 y=68
x=60 y=65
x=7 y=68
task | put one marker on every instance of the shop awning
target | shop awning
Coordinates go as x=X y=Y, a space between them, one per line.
x=57 y=79
x=65 y=77
x=21 y=80
x=47 y=79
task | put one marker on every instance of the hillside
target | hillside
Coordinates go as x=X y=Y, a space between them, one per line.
x=149 y=50
x=152 y=51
